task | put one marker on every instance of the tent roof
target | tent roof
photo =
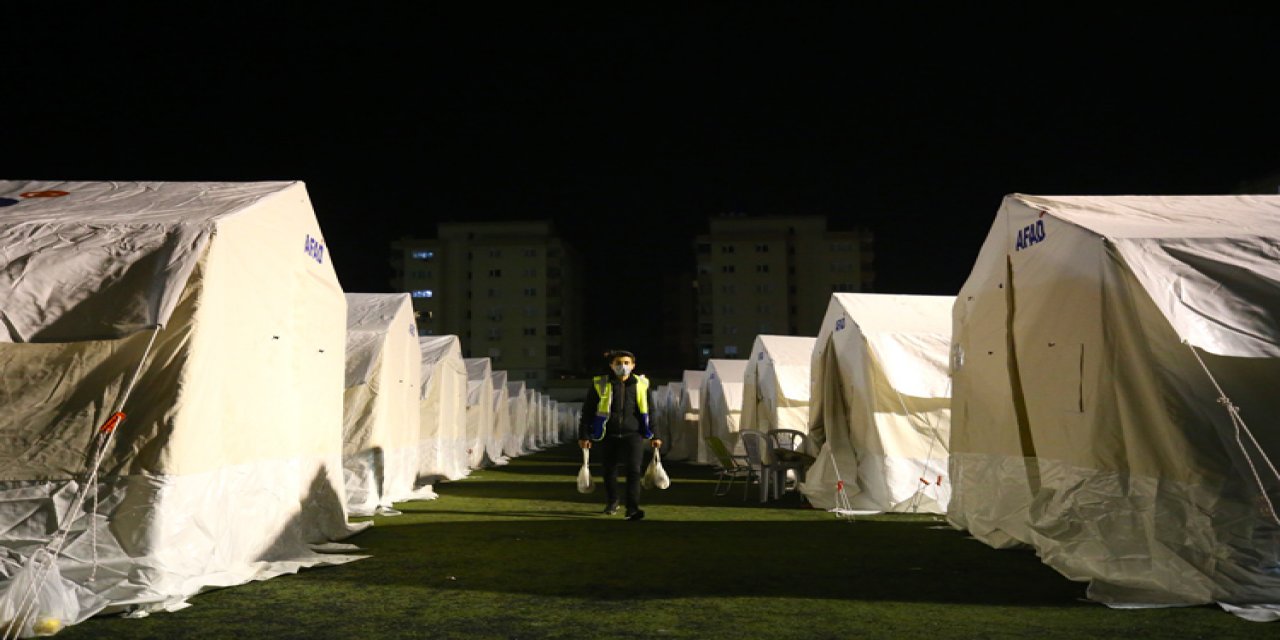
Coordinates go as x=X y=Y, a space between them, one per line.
x=790 y=358
x=727 y=370
x=894 y=313
x=909 y=335
x=369 y=318
x=1208 y=262
x=783 y=349
x=102 y=260
x=1164 y=216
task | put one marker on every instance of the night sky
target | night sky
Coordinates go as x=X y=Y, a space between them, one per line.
x=629 y=129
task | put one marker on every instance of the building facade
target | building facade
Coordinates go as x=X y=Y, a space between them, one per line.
x=772 y=275
x=508 y=290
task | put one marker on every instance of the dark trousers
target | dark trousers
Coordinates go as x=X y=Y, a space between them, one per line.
x=627 y=450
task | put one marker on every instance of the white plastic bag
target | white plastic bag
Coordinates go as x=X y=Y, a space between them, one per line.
x=655 y=475
x=584 y=474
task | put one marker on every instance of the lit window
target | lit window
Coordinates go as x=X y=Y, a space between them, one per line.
x=423 y=255
x=422 y=293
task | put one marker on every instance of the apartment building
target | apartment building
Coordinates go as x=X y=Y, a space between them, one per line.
x=772 y=275
x=509 y=290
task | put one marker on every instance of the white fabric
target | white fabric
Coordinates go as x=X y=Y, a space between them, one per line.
x=518 y=407
x=683 y=424
x=237 y=414
x=880 y=411
x=775 y=391
x=720 y=405
x=501 y=420
x=1084 y=425
x=443 y=408
x=381 y=405
x=479 y=409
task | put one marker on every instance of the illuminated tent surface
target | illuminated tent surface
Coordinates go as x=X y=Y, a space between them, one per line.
x=1084 y=422
x=479 y=409
x=229 y=464
x=775 y=391
x=498 y=439
x=521 y=427
x=683 y=430
x=381 y=418
x=721 y=405
x=880 y=411
x=443 y=408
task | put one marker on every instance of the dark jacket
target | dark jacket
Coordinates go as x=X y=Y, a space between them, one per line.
x=624 y=414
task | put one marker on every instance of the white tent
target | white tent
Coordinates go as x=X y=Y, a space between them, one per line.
x=672 y=418
x=221 y=302
x=568 y=424
x=501 y=420
x=775 y=386
x=381 y=421
x=721 y=405
x=881 y=411
x=479 y=409
x=443 y=408
x=534 y=417
x=1090 y=342
x=684 y=426
x=518 y=407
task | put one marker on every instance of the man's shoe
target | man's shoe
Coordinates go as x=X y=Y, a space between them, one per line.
x=638 y=514
x=610 y=509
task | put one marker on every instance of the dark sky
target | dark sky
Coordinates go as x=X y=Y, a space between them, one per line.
x=629 y=129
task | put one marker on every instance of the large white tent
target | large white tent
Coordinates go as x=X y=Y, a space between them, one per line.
x=443 y=408
x=381 y=421
x=479 y=409
x=880 y=408
x=1090 y=341
x=220 y=301
x=721 y=405
x=683 y=427
x=775 y=386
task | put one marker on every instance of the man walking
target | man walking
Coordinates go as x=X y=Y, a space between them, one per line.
x=615 y=417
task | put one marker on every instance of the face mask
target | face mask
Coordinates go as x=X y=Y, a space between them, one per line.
x=622 y=370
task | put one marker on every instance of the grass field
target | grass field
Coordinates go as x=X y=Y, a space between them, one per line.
x=516 y=552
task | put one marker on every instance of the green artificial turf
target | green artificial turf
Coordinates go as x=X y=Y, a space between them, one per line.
x=516 y=552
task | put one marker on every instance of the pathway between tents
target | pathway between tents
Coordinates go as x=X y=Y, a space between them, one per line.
x=516 y=552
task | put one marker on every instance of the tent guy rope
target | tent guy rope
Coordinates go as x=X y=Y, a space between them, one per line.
x=1240 y=427
x=43 y=561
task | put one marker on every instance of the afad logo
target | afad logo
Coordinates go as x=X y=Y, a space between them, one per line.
x=9 y=202
x=315 y=249
x=1030 y=234
x=840 y=324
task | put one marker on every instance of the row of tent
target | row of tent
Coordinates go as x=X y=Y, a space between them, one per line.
x=1101 y=390
x=191 y=401
x=415 y=410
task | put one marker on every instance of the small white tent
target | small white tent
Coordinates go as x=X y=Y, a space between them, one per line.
x=1090 y=339
x=721 y=405
x=881 y=411
x=775 y=386
x=221 y=303
x=443 y=408
x=381 y=421
x=684 y=426
x=518 y=407
x=501 y=420
x=479 y=409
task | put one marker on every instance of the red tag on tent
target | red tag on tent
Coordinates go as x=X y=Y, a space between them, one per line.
x=46 y=194
x=111 y=423
x=840 y=485
x=926 y=482
x=939 y=481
